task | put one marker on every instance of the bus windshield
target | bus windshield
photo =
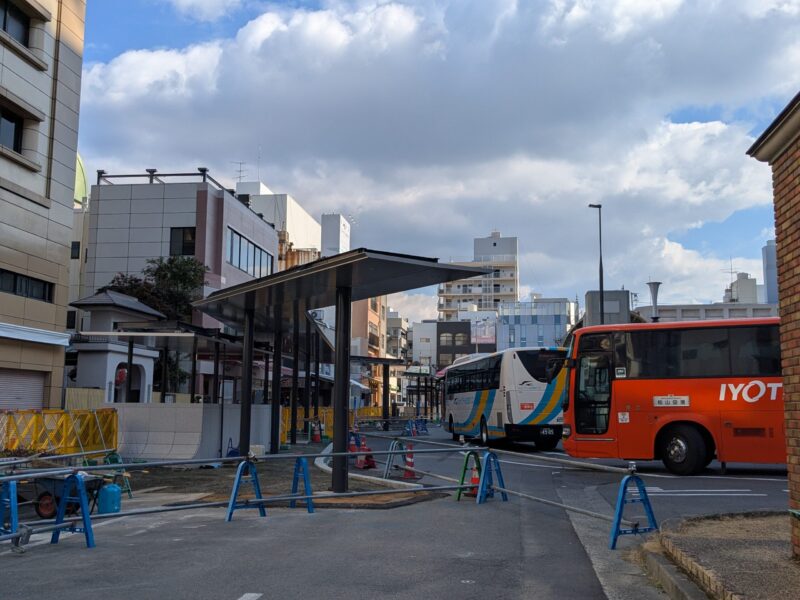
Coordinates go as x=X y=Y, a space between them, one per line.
x=542 y=365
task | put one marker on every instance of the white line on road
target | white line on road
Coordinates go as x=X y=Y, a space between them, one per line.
x=658 y=489
x=251 y=597
x=661 y=494
x=513 y=462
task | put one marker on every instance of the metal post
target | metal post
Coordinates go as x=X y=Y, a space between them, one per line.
x=307 y=371
x=417 y=397
x=317 y=356
x=193 y=380
x=341 y=385
x=599 y=208
x=215 y=392
x=129 y=374
x=295 y=372
x=247 y=376
x=164 y=371
x=275 y=432
x=386 y=397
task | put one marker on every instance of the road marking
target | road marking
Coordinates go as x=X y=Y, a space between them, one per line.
x=251 y=597
x=659 y=490
x=512 y=462
x=659 y=495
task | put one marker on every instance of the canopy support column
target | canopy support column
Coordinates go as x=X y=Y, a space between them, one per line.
x=295 y=373
x=317 y=355
x=386 y=397
x=247 y=376
x=275 y=427
x=341 y=387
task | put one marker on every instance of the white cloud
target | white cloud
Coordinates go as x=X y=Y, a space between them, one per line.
x=434 y=122
x=206 y=10
x=415 y=307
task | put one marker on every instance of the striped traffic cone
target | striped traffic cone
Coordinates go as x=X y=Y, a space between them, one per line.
x=315 y=434
x=409 y=463
x=474 y=482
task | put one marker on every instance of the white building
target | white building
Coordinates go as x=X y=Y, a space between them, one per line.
x=770 y=265
x=284 y=212
x=500 y=254
x=335 y=234
x=743 y=289
x=542 y=322
x=424 y=343
x=703 y=312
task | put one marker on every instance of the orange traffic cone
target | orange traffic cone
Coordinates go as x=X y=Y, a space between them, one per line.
x=315 y=435
x=353 y=447
x=409 y=463
x=364 y=461
x=474 y=482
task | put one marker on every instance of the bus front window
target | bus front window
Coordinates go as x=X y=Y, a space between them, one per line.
x=593 y=394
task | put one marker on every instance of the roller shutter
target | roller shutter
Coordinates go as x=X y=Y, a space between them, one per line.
x=21 y=389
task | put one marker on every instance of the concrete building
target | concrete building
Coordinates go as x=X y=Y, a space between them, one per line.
x=501 y=285
x=40 y=71
x=424 y=343
x=779 y=146
x=452 y=342
x=769 y=264
x=616 y=307
x=743 y=289
x=368 y=338
x=335 y=234
x=541 y=322
x=397 y=335
x=299 y=234
x=702 y=312
x=130 y=223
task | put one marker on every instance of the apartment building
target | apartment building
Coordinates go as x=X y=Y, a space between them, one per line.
x=397 y=335
x=501 y=254
x=136 y=217
x=40 y=71
x=368 y=338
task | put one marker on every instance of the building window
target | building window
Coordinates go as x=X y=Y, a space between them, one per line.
x=373 y=304
x=445 y=339
x=10 y=130
x=27 y=287
x=75 y=250
x=424 y=340
x=461 y=339
x=71 y=317
x=15 y=22
x=246 y=256
x=181 y=241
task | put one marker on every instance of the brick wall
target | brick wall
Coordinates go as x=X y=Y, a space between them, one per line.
x=786 y=189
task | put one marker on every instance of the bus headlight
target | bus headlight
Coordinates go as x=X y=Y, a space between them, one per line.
x=566 y=431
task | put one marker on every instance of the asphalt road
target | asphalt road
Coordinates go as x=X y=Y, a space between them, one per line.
x=436 y=549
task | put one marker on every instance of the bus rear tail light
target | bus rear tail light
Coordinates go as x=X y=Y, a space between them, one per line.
x=566 y=431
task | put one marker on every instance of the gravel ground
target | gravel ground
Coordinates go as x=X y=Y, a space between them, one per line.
x=750 y=554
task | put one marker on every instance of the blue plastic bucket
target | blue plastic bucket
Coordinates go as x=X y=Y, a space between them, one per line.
x=109 y=499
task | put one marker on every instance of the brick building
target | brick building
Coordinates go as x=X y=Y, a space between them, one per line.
x=779 y=146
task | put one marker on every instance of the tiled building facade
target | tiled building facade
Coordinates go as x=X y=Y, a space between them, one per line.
x=41 y=55
x=779 y=145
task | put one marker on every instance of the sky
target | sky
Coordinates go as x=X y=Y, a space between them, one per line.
x=431 y=122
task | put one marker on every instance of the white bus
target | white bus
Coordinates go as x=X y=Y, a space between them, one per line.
x=514 y=394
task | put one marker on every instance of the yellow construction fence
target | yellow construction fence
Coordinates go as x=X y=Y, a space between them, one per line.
x=58 y=431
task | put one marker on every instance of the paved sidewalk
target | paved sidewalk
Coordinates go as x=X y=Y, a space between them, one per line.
x=736 y=556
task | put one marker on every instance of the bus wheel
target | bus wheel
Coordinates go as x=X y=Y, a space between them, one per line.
x=683 y=450
x=484 y=433
x=546 y=445
x=453 y=430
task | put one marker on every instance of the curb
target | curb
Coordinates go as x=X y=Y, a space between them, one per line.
x=675 y=583
x=321 y=464
x=685 y=567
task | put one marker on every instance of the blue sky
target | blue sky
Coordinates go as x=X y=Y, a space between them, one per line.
x=433 y=122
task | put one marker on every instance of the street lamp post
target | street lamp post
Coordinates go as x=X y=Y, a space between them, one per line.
x=599 y=208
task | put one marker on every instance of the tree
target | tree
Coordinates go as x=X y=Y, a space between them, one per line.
x=168 y=285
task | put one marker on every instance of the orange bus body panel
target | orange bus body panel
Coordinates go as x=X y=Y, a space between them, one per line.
x=743 y=415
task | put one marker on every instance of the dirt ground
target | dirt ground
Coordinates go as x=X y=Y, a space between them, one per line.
x=750 y=554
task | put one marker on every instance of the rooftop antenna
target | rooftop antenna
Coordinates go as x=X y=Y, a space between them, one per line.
x=240 y=170
x=732 y=272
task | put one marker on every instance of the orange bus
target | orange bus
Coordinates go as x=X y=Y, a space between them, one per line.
x=683 y=392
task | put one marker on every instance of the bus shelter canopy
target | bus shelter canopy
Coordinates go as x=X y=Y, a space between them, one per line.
x=368 y=274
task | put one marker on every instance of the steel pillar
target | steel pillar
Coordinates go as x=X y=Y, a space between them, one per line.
x=275 y=431
x=386 y=397
x=341 y=387
x=295 y=373
x=247 y=376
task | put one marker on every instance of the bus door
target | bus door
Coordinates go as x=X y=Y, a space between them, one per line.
x=595 y=432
